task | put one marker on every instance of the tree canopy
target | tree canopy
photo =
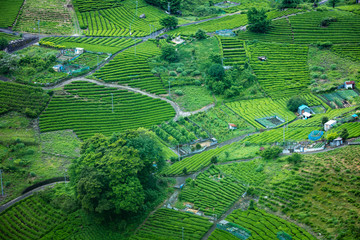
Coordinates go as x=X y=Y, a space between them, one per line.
x=258 y=21
x=114 y=175
x=169 y=53
x=290 y=3
x=294 y=103
x=169 y=22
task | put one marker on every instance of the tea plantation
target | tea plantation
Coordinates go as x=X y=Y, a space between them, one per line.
x=90 y=108
x=156 y=120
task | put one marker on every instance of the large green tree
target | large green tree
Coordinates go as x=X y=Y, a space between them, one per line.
x=116 y=175
x=169 y=22
x=290 y=3
x=258 y=21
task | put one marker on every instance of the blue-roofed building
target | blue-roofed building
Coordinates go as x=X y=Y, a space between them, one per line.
x=58 y=68
x=305 y=109
x=355 y=116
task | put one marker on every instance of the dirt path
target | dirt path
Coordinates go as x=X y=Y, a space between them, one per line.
x=12 y=202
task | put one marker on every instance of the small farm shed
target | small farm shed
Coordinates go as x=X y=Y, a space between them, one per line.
x=58 y=68
x=262 y=58
x=328 y=125
x=336 y=142
x=79 y=50
x=232 y=126
x=355 y=116
x=349 y=84
x=304 y=109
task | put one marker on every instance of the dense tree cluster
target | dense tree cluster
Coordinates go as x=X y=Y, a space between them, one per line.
x=231 y=82
x=295 y=102
x=174 y=4
x=115 y=176
x=258 y=21
x=169 y=22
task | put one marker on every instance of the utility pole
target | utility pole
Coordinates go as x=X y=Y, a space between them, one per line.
x=39 y=28
x=169 y=90
x=65 y=175
x=169 y=8
x=2 y=189
x=182 y=233
x=136 y=7
x=112 y=103
x=179 y=151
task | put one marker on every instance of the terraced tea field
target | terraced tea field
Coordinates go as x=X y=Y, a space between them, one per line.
x=171 y=224
x=250 y=110
x=263 y=225
x=30 y=219
x=204 y=192
x=125 y=68
x=89 y=110
x=113 y=18
x=25 y=99
x=285 y=71
x=9 y=12
x=106 y=45
x=233 y=51
x=193 y=163
x=307 y=29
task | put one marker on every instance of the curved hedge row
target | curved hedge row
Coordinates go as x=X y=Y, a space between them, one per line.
x=21 y=98
x=88 y=110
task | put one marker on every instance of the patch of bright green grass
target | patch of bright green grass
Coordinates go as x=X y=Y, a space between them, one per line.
x=61 y=142
x=194 y=98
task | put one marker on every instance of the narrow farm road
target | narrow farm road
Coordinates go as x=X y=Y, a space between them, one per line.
x=12 y=202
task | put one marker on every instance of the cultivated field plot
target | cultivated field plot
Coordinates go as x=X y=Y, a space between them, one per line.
x=105 y=45
x=228 y=22
x=277 y=135
x=216 y=122
x=340 y=98
x=323 y=188
x=233 y=51
x=285 y=71
x=355 y=8
x=30 y=219
x=89 y=110
x=194 y=163
x=280 y=31
x=220 y=235
x=352 y=127
x=250 y=110
x=115 y=18
x=131 y=68
x=9 y=12
x=263 y=225
x=175 y=132
x=246 y=173
x=351 y=51
x=53 y=15
x=171 y=224
x=307 y=29
x=25 y=99
x=205 y=191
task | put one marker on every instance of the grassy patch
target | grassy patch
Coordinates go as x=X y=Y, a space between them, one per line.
x=238 y=151
x=22 y=160
x=60 y=142
x=194 y=61
x=53 y=15
x=193 y=98
x=328 y=70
